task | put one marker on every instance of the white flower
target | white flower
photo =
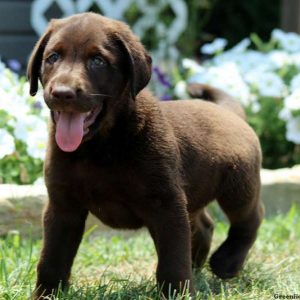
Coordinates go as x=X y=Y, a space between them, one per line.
x=251 y=60
x=268 y=84
x=33 y=132
x=288 y=41
x=201 y=77
x=8 y=80
x=19 y=105
x=293 y=130
x=222 y=58
x=292 y=43
x=27 y=125
x=7 y=144
x=39 y=181
x=191 y=65
x=295 y=59
x=226 y=77
x=13 y=104
x=280 y=58
x=278 y=35
x=285 y=114
x=255 y=107
x=295 y=83
x=292 y=102
x=216 y=46
x=246 y=61
x=36 y=145
x=180 y=90
x=241 y=46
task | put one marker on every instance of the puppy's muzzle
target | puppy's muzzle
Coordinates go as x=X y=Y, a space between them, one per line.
x=73 y=114
x=67 y=98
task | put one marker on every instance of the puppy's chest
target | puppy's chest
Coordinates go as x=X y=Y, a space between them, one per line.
x=104 y=185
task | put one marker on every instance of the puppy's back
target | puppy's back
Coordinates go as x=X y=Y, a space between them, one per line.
x=212 y=129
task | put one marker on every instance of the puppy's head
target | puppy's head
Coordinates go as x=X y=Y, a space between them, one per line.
x=90 y=68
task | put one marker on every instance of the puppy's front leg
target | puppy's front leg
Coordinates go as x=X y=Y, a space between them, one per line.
x=171 y=233
x=63 y=231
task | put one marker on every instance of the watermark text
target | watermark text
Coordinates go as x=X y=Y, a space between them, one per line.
x=291 y=296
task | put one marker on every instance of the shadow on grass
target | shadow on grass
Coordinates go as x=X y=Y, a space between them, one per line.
x=114 y=289
x=252 y=279
x=250 y=282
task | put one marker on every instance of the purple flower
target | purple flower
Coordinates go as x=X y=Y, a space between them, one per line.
x=37 y=105
x=162 y=77
x=14 y=65
x=166 y=97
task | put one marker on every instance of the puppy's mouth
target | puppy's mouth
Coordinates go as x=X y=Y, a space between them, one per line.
x=72 y=127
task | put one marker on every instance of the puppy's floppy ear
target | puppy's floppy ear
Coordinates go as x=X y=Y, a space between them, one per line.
x=35 y=62
x=138 y=62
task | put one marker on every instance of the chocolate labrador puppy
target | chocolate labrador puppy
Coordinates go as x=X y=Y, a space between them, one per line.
x=116 y=152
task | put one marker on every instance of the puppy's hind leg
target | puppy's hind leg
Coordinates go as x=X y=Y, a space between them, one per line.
x=202 y=231
x=244 y=211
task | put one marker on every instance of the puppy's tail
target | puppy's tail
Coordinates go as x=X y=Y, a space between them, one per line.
x=212 y=94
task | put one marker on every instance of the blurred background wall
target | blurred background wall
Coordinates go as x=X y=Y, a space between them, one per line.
x=167 y=27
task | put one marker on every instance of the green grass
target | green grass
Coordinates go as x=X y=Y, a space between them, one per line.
x=118 y=265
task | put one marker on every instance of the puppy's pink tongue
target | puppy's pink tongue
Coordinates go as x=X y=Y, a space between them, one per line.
x=69 y=130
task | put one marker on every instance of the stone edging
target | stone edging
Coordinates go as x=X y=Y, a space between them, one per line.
x=21 y=206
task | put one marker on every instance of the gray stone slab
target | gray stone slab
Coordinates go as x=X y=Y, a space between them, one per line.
x=21 y=206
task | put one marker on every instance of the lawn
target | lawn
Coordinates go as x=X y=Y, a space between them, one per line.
x=121 y=265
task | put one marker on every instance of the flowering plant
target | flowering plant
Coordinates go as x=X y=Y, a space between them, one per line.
x=23 y=130
x=266 y=81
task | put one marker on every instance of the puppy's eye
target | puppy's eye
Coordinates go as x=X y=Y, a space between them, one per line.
x=52 y=58
x=98 y=61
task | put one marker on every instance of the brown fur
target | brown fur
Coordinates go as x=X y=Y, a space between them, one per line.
x=143 y=163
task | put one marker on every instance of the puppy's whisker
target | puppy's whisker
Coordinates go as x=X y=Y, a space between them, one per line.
x=104 y=95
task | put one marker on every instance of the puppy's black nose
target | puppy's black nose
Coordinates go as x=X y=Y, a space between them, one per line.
x=63 y=93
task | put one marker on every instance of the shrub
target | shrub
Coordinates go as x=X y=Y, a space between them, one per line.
x=265 y=80
x=23 y=130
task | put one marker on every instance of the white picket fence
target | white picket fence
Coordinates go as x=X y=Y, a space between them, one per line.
x=150 y=18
